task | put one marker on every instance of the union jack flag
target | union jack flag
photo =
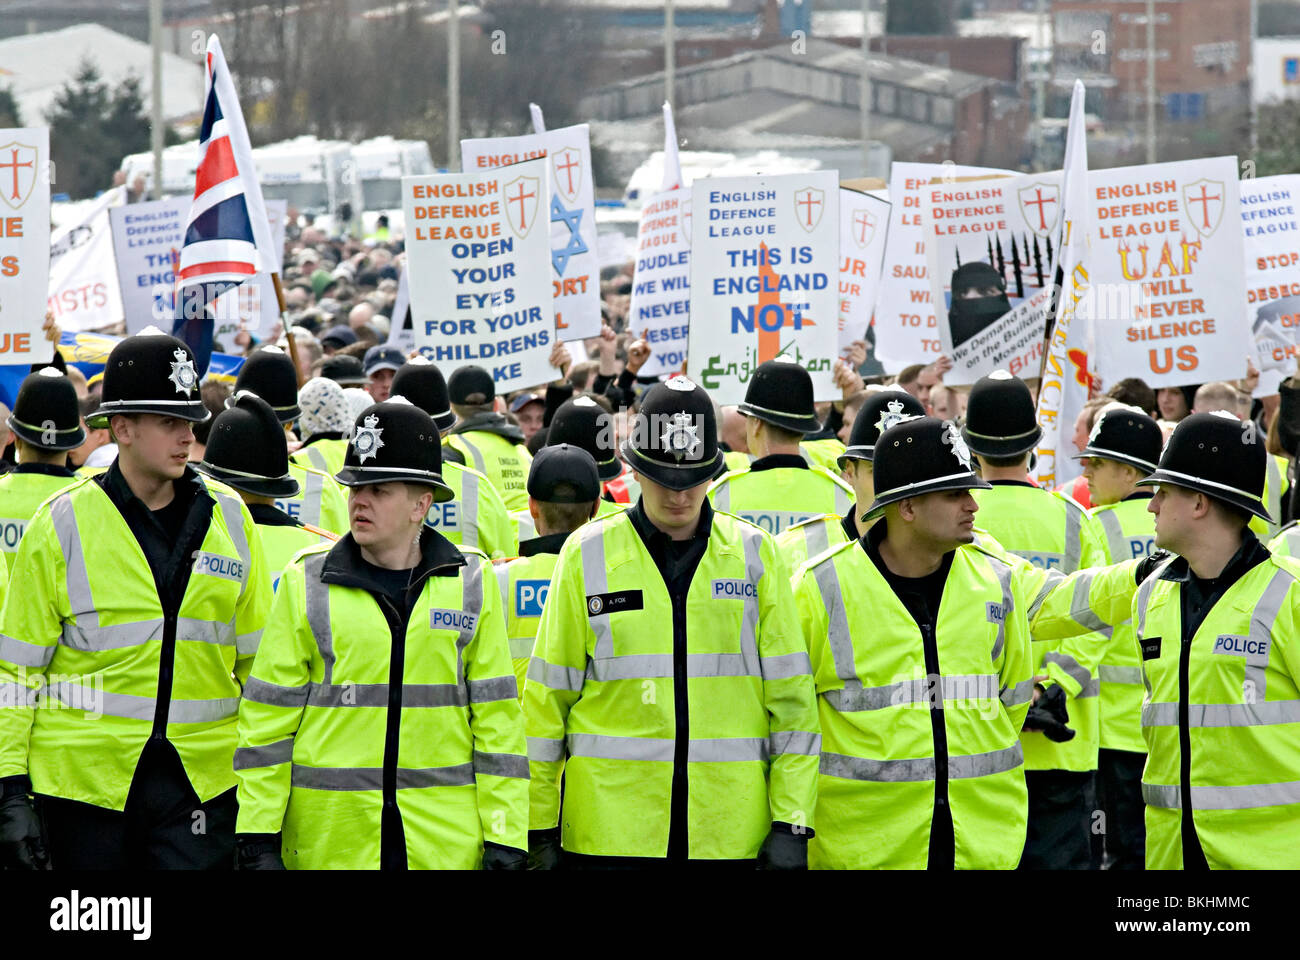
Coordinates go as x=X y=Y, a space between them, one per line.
x=227 y=236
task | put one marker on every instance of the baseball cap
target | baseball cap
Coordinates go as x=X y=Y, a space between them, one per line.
x=342 y=334
x=563 y=464
x=469 y=382
x=523 y=400
x=383 y=357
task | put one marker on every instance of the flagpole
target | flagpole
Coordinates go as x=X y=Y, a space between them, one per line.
x=288 y=330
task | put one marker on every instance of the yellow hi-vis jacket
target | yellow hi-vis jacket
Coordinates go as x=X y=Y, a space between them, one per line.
x=476 y=516
x=814 y=536
x=81 y=644
x=319 y=752
x=524 y=582
x=21 y=492
x=321 y=501
x=1287 y=541
x=778 y=497
x=877 y=789
x=823 y=453
x=1054 y=533
x=1221 y=713
x=502 y=461
x=599 y=701
x=1274 y=486
x=326 y=455
x=1130 y=534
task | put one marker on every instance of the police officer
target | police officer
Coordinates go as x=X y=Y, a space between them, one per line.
x=380 y=727
x=779 y=488
x=879 y=412
x=563 y=494
x=270 y=374
x=1053 y=532
x=583 y=423
x=669 y=687
x=323 y=425
x=1123 y=447
x=145 y=593
x=246 y=454
x=46 y=424
x=484 y=439
x=1216 y=628
x=477 y=516
x=921 y=658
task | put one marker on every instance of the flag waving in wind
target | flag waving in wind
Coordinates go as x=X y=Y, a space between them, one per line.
x=227 y=235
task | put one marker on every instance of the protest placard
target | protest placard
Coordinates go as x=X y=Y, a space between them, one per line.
x=660 y=308
x=989 y=247
x=84 y=290
x=575 y=264
x=24 y=242
x=477 y=266
x=864 y=225
x=1270 y=233
x=906 y=329
x=1168 y=285
x=764 y=272
x=147 y=241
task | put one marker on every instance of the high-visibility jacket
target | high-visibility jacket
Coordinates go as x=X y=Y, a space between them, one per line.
x=321 y=501
x=1238 y=713
x=524 y=583
x=808 y=538
x=823 y=453
x=524 y=528
x=280 y=541
x=880 y=756
x=88 y=629
x=1287 y=541
x=600 y=701
x=624 y=488
x=21 y=492
x=1130 y=533
x=325 y=455
x=776 y=498
x=736 y=460
x=503 y=462
x=1053 y=532
x=1274 y=486
x=320 y=753
x=476 y=516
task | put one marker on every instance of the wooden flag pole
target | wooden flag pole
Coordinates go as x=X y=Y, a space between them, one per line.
x=288 y=331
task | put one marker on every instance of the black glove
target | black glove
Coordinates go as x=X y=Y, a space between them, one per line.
x=784 y=849
x=1147 y=565
x=258 y=851
x=1049 y=715
x=499 y=857
x=544 y=849
x=22 y=836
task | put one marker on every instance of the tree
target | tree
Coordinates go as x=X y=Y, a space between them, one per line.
x=92 y=128
x=1278 y=127
x=9 y=109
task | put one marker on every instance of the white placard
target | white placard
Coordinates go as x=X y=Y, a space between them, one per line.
x=575 y=257
x=906 y=329
x=147 y=239
x=1270 y=232
x=1166 y=267
x=660 y=307
x=477 y=258
x=84 y=293
x=24 y=243
x=864 y=225
x=989 y=249
x=764 y=279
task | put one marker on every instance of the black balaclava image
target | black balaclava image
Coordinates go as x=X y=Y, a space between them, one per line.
x=969 y=315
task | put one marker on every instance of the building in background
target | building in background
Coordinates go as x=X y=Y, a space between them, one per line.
x=1277 y=70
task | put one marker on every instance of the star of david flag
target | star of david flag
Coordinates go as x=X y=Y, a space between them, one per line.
x=227 y=235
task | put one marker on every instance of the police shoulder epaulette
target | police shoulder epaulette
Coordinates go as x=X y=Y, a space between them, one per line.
x=1069 y=500
x=474 y=551
x=1290 y=564
x=1289 y=526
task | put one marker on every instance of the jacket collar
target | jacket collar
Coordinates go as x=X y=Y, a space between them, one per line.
x=551 y=543
x=269 y=515
x=46 y=469
x=1250 y=554
x=327 y=435
x=649 y=532
x=345 y=567
x=776 y=460
x=490 y=423
x=115 y=485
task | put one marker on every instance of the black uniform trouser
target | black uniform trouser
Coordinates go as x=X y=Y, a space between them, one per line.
x=1061 y=803
x=160 y=829
x=1119 y=791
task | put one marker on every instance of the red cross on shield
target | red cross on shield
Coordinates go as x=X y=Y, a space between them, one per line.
x=1040 y=204
x=1202 y=203
x=18 y=169
x=686 y=219
x=863 y=226
x=520 y=196
x=567 y=165
x=808 y=206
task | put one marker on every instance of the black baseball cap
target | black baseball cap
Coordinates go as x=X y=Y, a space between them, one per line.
x=344 y=369
x=563 y=464
x=469 y=382
x=341 y=334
